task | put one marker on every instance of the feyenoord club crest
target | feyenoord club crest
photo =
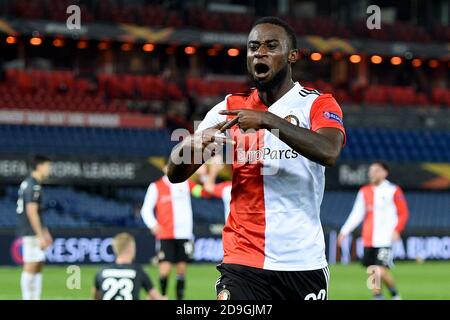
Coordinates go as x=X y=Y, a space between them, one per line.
x=292 y=119
x=224 y=295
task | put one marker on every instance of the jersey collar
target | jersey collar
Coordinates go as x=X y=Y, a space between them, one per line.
x=294 y=90
x=383 y=184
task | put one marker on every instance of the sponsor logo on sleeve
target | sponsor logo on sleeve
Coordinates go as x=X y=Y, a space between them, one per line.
x=332 y=116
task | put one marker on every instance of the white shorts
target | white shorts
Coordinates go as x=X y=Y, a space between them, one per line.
x=31 y=250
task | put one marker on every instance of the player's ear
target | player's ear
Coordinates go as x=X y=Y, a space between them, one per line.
x=293 y=56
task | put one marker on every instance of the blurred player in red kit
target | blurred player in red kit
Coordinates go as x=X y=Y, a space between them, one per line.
x=167 y=212
x=383 y=208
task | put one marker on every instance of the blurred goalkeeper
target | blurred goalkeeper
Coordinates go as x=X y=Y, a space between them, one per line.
x=383 y=208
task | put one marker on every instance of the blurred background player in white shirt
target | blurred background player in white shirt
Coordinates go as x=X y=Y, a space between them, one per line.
x=167 y=212
x=383 y=208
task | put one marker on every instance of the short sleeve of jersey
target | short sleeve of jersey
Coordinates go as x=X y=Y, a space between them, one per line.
x=213 y=117
x=145 y=279
x=326 y=113
x=32 y=193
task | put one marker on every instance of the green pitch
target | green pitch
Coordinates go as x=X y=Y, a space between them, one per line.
x=430 y=280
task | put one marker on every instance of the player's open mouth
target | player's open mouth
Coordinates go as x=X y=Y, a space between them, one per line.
x=261 y=70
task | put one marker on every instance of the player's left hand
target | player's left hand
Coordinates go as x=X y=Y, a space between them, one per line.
x=247 y=119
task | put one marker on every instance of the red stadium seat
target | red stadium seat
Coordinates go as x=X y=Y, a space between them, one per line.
x=61 y=90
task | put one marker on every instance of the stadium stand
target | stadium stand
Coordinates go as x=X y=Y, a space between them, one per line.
x=397 y=145
x=119 y=82
x=362 y=143
x=59 y=140
x=156 y=15
x=62 y=90
x=67 y=208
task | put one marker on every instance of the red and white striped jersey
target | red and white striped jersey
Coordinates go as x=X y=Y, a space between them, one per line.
x=274 y=220
x=383 y=209
x=171 y=202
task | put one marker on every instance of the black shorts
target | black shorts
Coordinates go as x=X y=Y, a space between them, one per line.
x=378 y=257
x=175 y=250
x=239 y=282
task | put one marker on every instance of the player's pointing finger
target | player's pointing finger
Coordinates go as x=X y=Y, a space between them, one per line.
x=230 y=112
x=229 y=124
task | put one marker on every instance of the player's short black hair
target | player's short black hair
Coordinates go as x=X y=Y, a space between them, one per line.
x=383 y=164
x=279 y=22
x=37 y=160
